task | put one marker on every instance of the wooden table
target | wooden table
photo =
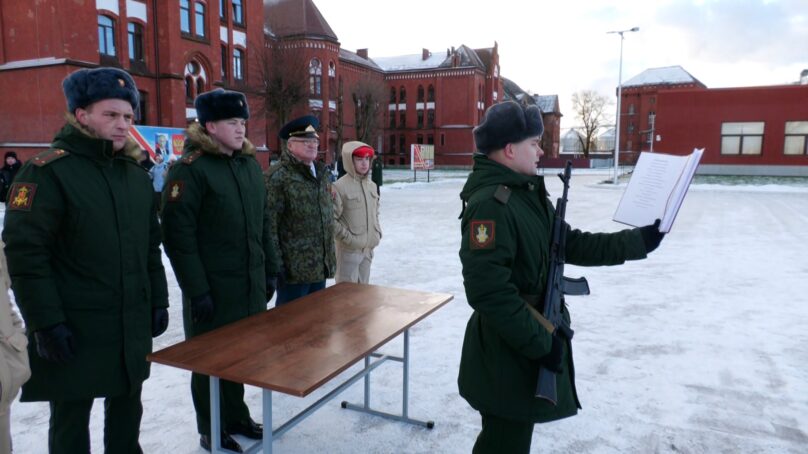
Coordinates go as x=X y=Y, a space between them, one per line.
x=298 y=347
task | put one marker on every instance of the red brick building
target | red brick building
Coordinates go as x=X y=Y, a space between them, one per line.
x=177 y=49
x=744 y=131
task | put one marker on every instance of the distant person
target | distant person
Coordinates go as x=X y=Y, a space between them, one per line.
x=301 y=213
x=216 y=234
x=356 y=211
x=83 y=249
x=145 y=160
x=13 y=355
x=376 y=173
x=7 y=173
x=506 y=226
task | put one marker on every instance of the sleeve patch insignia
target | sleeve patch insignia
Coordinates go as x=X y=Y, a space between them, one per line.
x=482 y=234
x=175 y=190
x=21 y=196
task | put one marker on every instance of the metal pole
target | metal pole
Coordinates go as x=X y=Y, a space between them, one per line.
x=619 y=99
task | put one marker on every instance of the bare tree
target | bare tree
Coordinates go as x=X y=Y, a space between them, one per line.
x=590 y=108
x=368 y=97
x=282 y=79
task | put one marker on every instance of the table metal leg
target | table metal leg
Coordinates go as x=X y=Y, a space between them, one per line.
x=268 y=422
x=215 y=422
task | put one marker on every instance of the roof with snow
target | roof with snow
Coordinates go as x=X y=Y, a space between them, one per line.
x=548 y=103
x=295 y=18
x=669 y=75
x=354 y=58
x=466 y=57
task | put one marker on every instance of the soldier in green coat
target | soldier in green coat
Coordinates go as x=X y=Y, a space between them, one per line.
x=302 y=213
x=506 y=226
x=83 y=248
x=216 y=230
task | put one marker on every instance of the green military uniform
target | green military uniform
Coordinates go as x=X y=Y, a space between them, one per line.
x=215 y=225
x=505 y=253
x=83 y=249
x=301 y=220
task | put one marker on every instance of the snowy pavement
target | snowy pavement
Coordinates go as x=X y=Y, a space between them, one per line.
x=701 y=348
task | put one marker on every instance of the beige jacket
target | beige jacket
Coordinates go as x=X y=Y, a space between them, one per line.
x=14 y=369
x=356 y=206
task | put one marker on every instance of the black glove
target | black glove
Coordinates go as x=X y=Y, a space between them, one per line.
x=159 y=321
x=201 y=308
x=553 y=361
x=651 y=236
x=272 y=284
x=55 y=344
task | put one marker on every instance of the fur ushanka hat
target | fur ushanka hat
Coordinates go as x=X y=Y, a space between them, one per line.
x=507 y=122
x=221 y=104
x=87 y=86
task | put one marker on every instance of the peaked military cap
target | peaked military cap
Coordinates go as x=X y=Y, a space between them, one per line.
x=303 y=127
x=507 y=122
x=86 y=86
x=221 y=104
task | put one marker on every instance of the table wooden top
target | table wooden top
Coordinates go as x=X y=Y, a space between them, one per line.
x=299 y=346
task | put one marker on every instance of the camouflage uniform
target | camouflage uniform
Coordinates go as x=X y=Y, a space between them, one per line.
x=301 y=220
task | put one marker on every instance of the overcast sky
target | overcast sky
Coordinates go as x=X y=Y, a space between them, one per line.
x=561 y=47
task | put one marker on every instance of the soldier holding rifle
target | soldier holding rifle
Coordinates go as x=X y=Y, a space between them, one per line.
x=505 y=251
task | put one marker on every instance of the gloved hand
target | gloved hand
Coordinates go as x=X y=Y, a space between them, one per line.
x=55 y=344
x=272 y=284
x=553 y=361
x=651 y=236
x=201 y=308
x=159 y=321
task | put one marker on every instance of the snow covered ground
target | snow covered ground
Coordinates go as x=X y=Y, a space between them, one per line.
x=701 y=348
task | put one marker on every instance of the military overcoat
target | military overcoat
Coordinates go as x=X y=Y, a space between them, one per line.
x=83 y=249
x=505 y=254
x=302 y=220
x=215 y=228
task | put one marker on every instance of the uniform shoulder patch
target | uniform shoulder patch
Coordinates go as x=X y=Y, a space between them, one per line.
x=49 y=156
x=175 y=190
x=502 y=194
x=189 y=158
x=21 y=196
x=482 y=234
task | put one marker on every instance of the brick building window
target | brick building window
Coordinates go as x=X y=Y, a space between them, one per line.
x=222 y=10
x=742 y=138
x=238 y=64
x=402 y=119
x=315 y=77
x=392 y=118
x=430 y=139
x=332 y=80
x=402 y=144
x=796 y=138
x=430 y=118
x=392 y=95
x=106 y=36
x=238 y=12
x=430 y=94
x=402 y=95
x=195 y=81
x=392 y=143
x=224 y=63
x=419 y=115
x=135 y=35
x=185 y=16
x=420 y=93
x=199 y=20
x=140 y=115
x=419 y=139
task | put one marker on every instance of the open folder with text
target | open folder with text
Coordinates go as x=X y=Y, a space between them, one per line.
x=657 y=188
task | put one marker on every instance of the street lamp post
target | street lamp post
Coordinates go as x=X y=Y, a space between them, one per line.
x=619 y=97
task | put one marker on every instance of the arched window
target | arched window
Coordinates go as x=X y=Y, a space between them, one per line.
x=135 y=34
x=106 y=35
x=200 y=86
x=199 y=19
x=332 y=80
x=189 y=90
x=392 y=95
x=402 y=95
x=315 y=77
x=195 y=81
x=430 y=94
x=420 y=93
x=238 y=64
x=430 y=118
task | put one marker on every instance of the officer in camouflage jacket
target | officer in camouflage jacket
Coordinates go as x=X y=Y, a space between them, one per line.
x=301 y=213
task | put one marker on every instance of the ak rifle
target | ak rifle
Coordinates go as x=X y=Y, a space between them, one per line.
x=558 y=286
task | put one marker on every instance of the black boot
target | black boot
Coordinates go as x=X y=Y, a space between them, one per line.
x=227 y=442
x=249 y=429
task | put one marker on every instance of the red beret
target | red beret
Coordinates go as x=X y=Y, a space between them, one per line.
x=364 y=151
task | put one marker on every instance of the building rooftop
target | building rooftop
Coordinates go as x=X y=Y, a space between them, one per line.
x=669 y=75
x=295 y=18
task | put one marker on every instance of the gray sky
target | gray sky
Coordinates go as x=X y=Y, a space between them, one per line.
x=562 y=47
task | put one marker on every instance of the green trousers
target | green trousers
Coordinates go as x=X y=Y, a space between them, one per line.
x=503 y=436
x=231 y=403
x=69 y=431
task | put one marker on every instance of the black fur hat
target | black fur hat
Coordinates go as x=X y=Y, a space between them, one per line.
x=507 y=122
x=87 y=86
x=221 y=104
